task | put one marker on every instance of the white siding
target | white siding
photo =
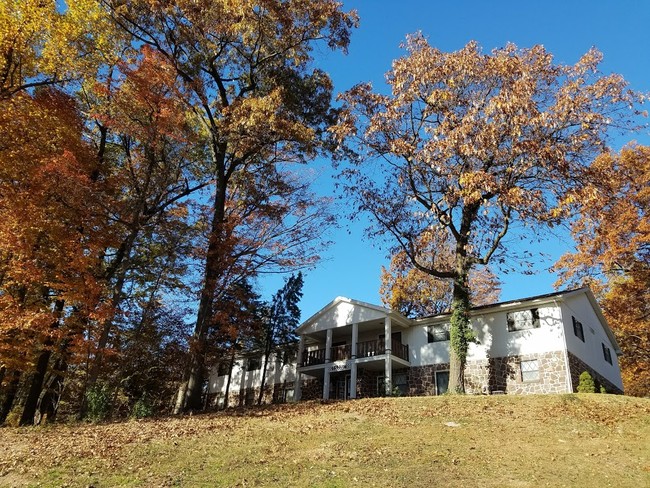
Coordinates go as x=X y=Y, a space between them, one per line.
x=590 y=351
x=242 y=379
x=494 y=338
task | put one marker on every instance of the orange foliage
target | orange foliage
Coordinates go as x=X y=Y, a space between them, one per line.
x=50 y=222
x=612 y=234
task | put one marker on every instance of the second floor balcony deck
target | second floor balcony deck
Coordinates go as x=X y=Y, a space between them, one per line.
x=364 y=349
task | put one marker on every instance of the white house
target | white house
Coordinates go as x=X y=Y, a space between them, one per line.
x=539 y=344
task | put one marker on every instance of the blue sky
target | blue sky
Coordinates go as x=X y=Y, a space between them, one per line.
x=619 y=28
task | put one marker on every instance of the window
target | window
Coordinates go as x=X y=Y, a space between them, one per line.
x=442 y=382
x=607 y=354
x=529 y=370
x=253 y=364
x=399 y=383
x=523 y=319
x=223 y=369
x=438 y=333
x=577 y=329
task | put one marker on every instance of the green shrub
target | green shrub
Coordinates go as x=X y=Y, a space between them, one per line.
x=98 y=400
x=142 y=408
x=603 y=389
x=586 y=384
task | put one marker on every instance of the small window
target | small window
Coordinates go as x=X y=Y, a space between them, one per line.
x=529 y=370
x=253 y=364
x=223 y=369
x=607 y=354
x=578 y=330
x=438 y=333
x=523 y=319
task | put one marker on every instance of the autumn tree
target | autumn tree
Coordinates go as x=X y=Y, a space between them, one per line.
x=244 y=69
x=146 y=142
x=48 y=43
x=48 y=203
x=279 y=322
x=415 y=293
x=612 y=255
x=467 y=144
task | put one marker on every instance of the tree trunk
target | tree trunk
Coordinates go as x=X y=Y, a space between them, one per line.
x=461 y=333
x=9 y=396
x=267 y=353
x=232 y=365
x=48 y=403
x=35 y=387
x=459 y=340
x=189 y=393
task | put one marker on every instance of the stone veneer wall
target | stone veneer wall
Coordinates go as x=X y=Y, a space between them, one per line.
x=577 y=366
x=501 y=374
x=421 y=379
x=366 y=383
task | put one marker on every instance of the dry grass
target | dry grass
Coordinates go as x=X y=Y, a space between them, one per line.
x=564 y=440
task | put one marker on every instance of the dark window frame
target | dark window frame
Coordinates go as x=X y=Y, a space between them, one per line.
x=607 y=353
x=578 y=329
x=440 y=335
x=512 y=322
x=253 y=364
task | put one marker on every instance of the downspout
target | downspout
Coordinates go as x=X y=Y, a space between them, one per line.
x=569 y=382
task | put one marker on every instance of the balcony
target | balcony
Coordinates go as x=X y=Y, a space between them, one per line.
x=378 y=347
x=364 y=349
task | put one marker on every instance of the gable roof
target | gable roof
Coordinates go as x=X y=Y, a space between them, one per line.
x=377 y=311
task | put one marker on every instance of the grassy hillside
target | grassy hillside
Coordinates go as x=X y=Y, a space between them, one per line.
x=565 y=440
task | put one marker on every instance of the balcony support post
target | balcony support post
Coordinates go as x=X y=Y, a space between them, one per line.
x=388 y=363
x=328 y=359
x=353 y=361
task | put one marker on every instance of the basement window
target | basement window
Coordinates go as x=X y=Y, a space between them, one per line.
x=529 y=370
x=523 y=319
x=578 y=330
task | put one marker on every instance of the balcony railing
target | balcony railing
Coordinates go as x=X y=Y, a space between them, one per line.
x=364 y=349
x=340 y=353
x=378 y=347
x=314 y=357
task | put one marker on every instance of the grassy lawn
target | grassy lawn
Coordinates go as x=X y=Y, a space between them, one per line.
x=562 y=440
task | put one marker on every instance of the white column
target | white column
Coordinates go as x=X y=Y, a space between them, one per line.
x=353 y=361
x=328 y=346
x=301 y=351
x=297 y=387
x=328 y=358
x=388 y=363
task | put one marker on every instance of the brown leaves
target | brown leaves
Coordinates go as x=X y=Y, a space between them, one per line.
x=481 y=137
x=612 y=234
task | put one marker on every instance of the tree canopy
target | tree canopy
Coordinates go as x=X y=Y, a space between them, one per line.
x=468 y=144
